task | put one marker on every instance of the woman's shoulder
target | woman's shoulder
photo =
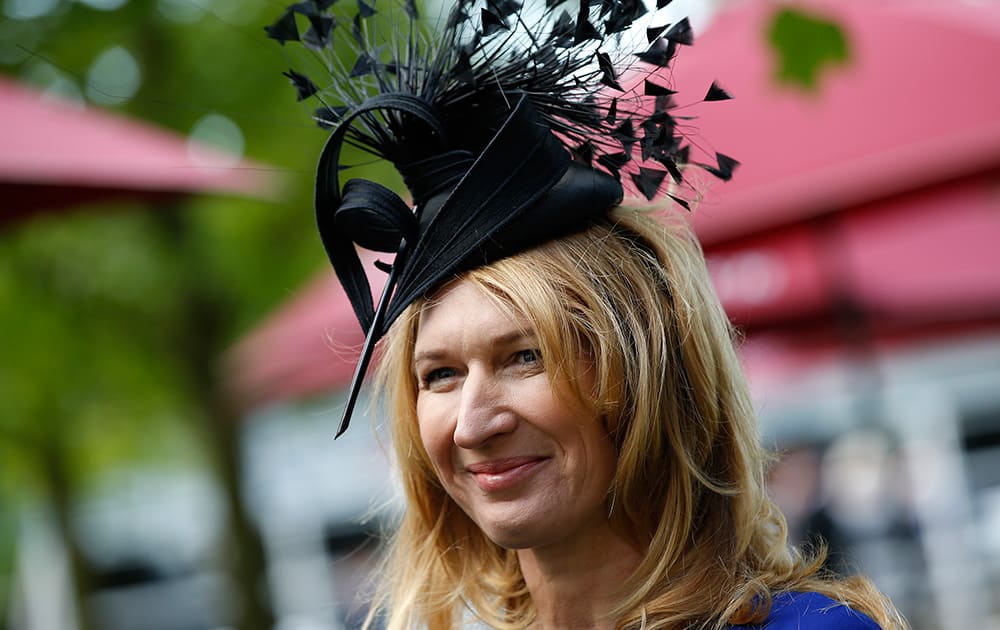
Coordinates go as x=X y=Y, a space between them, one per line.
x=811 y=611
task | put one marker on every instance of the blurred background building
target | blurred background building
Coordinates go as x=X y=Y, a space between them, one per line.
x=172 y=360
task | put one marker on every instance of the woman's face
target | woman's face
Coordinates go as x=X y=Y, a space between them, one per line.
x=527 y=466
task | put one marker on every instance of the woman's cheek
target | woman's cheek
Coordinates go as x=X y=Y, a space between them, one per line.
x=435 y=429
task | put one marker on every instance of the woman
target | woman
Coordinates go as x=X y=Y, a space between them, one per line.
x=575 y=437
x=578 y=450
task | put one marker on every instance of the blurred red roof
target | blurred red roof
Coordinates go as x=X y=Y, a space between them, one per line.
x=914 y=106
x=55 y=154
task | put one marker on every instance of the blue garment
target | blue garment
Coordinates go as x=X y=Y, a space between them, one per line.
x=811 y=611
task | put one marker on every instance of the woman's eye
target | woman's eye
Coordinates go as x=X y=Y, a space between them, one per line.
x=528 y=357
x=438 y=374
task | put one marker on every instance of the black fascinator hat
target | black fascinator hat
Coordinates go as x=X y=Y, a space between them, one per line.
x=507 y=122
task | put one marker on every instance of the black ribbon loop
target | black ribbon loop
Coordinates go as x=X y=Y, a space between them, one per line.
x=374 y=217
x=338 y=244
x=436 y=174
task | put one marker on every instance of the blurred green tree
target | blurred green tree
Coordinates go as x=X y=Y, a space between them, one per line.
x=114 y=316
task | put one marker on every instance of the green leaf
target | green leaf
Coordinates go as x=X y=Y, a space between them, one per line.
x=806 y=44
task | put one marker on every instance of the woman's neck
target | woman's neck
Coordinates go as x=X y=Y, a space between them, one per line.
x=575 y=584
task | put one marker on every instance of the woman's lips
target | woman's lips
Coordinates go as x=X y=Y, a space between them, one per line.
x=501 y=474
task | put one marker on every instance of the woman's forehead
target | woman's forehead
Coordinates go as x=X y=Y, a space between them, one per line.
x=466 y=305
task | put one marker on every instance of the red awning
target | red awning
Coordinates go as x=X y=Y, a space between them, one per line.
x=927 y=256
x=55 y=154
x=309 y=346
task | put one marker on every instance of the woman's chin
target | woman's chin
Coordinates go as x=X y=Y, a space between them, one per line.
x=516 y=531
x=537 y=530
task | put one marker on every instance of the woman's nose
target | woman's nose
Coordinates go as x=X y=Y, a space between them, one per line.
x=483 y=412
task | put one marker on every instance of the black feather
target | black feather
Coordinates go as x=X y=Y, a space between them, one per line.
x=648 y=181
x=364 y=65
x=660 y=53
x=284 y=29
x=653 y=32
x=717 y=93
x=365 y=10
x=654 y=89
x=680 y=201
x=563 y=31
x=304 y=87
x=492 y=23
x=614 y=162
x=621 y=15
x=724 y=169
x=625 y=133
x=585 y=31
x=608 y=77
x=612 y=115
x=671 y=165
x=681 y=33
x=320 y=32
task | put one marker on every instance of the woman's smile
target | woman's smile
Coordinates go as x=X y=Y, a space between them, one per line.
x=503 y=474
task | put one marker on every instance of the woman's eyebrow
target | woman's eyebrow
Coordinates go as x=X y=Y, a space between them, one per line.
x=428 y=355
x=502 y=340
x=513 y=337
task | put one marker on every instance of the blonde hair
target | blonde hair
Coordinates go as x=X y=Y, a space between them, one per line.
x=633 y=295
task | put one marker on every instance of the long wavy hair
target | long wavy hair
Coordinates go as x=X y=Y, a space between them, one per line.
x=631 y=294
